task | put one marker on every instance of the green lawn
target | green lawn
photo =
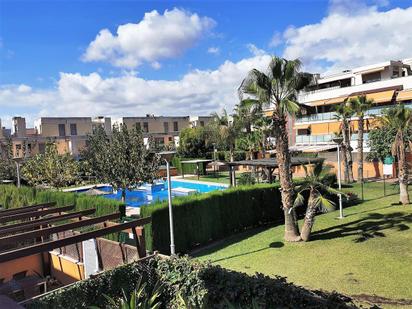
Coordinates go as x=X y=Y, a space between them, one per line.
x=221 y=177
x=368 y=252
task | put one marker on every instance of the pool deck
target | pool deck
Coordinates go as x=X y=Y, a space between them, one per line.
x=86 y=187
x=179 y=178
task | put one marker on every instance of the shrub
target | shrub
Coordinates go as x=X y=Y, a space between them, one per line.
x=246 y=179
x=186 y=168
x=12 y=197
x=201 y=218
x=201 y=285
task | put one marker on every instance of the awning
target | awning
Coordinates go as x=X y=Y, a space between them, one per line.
x=379 y=97
x=316 y=103
x=336 y=100
x=379 y=69
x=312 y=148
x=301 y=126
x=404 y=95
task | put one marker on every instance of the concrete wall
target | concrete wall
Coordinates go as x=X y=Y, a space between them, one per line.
x=32 y=264
x=65 y=269
x=49 y=127
x=156 y=124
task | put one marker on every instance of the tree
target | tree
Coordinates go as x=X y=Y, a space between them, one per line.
x=224 y=132
x=247 y=113
x=121 y=159
x=51 y=168
x=7 y=166
x=250 y=142
x=380 y=142
x=279 y=86
x=318 y=197
x=399 y=118
x=360 y=105
x=344 y=114
x=194 y=142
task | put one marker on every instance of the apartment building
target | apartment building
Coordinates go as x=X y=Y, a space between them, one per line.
x=386 y=83
x=164 y=130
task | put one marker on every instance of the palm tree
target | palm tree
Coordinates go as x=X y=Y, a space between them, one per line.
x=360 y=105
x=318 y=199
x=279 y=86
x=225 y=131
x=344 y=114
x=247 y=112
x=399 y=118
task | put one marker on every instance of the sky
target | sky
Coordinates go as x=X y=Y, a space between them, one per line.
x=131 y=58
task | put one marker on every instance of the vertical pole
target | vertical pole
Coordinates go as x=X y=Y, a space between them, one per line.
x=340 y=186
x=384 y=186
x=169 y=195
x=18 y=174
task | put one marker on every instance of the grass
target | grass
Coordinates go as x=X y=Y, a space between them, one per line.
x=221 y=177
x=368 y=252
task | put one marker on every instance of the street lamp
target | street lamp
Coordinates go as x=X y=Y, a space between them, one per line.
x=167 y=157
x=338 y=141
x=17 y=161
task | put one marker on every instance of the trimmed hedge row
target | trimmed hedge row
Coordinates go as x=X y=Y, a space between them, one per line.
x=12 y=197
x=201 y=218
x=187 y=168
x=201 y=285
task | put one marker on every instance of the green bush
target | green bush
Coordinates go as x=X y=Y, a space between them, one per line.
x=201 y=285
x=246 y=179
x=12 y=197
x=238 y=155
x=187 y=168
x=201 y=218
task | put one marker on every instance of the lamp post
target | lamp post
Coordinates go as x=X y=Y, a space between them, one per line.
x=167 y=157
x=17 y=161
x=338 y=141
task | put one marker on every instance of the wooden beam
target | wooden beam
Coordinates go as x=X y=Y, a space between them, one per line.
x=35 y=214
x=12 y=211
x=24 y=226
x=48 y=246
x=55 y=229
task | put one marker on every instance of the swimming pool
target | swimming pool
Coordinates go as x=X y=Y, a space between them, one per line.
x=139 y=197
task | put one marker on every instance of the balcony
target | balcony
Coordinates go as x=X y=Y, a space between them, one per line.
x=323 y=139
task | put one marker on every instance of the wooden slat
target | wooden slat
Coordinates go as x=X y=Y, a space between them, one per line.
x=34 y=214
x=55 y=229
x=19 y=227
x=12 y=211
x=48 y=246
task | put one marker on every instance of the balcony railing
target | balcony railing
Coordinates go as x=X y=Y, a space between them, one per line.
x=325 y=138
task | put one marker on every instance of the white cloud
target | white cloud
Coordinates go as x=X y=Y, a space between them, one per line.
x=213 y=50
x=255 y=50
x=198 y=92
x=276 y=39
x=154 y=38
x=342 y=40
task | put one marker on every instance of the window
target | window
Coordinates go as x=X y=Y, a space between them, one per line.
x=166 y=127
x=73 y=129
x=62 y=130
x=202 y=123
x=175 y=126
x=371 y=77
x=145 y=127
x=138 y=126
x=170 y=139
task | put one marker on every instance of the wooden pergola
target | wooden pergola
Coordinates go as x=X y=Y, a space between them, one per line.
x=33 y=223
x=269 y=164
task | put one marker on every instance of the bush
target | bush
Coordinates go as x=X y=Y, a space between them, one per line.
x=187 y=168
x=246 y=179
x=201 y=218
x=13 y=197
x=201 y=285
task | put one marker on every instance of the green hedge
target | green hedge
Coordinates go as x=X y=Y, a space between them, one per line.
x=12 y=197
x=201 y=218
x=187 y=168
x=201 y=285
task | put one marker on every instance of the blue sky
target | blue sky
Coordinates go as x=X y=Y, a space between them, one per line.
x=48 y=65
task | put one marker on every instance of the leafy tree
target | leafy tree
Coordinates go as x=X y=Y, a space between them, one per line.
x=399 y=118
x=249 y=142
x=318 y=196
x=247 y=113
x=194 y=142
x=224 y=131
x=279 y=86
x=360 y=105
x=344 y=114
x=121 y=159
x=380 y=142
x=7 y=166
x=51 y=168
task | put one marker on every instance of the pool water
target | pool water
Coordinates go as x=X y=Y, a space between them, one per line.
x=139 y=197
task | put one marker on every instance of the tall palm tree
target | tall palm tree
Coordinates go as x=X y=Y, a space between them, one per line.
x=343 y=113
x=225 y=131
x=360 y=105
x=399 y=118
x=247 y=112
x=318 y=199
x=279 y=86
